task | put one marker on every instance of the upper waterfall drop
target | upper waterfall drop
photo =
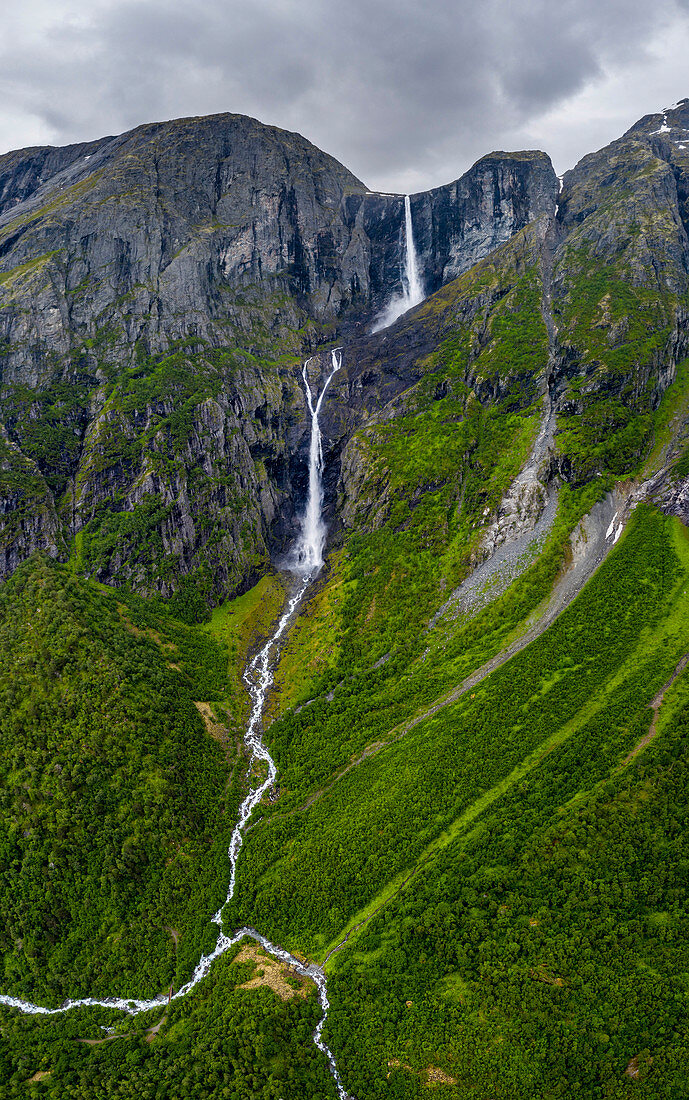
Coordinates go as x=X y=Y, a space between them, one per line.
x=411 y=265
x=412 y=285
x=313 y=530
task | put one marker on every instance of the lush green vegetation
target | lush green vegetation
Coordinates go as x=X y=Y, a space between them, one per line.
x=523 y=886
x=240 y=625
x=669 y=421
x=24 y=488
x=503 y=860
x=223 y=1042
x=120 y=808
x=310 y=872
x=350 y=696
x=544 y=952
x=116 y=803
x=51 y=422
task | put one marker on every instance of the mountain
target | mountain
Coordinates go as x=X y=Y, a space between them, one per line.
x=158 y=292
x=478 y=822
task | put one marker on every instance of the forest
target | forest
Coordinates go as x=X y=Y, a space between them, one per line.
x=528 y=864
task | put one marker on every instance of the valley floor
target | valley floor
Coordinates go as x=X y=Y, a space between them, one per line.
x=494 y=882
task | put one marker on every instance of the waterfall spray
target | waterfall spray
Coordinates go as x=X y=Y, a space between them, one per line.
x=412 y=286
x=313 y=530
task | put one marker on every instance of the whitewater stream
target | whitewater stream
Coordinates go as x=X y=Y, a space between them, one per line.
x=258 y=677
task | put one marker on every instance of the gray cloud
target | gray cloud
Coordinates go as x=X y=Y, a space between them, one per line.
x=406 y=97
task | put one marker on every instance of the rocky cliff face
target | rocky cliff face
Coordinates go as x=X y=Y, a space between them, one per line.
x=157 y=227
x=620 y=289
x=611 y=268
x=159 y=290
x=457 y=225
x=157 y=293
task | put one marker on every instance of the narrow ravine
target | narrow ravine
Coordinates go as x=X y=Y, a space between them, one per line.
x=258 y=677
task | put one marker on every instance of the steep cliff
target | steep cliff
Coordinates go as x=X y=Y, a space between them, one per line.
x=458 y=224
x=620 y=287
x=158 y=291
x=611 y=278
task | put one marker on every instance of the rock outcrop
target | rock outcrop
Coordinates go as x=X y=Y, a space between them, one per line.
x=159 y=290
x=157 y=293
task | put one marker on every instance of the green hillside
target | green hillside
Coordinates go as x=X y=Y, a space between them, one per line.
x=116 y=803
x=480 y=710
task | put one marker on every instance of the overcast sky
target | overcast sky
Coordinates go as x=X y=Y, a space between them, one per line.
x=407 y=96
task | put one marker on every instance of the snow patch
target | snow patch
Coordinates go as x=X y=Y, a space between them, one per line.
x=664 y=129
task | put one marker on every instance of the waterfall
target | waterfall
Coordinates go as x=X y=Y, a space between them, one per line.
x=412 y=286
x=258 y=677
x=313 y=530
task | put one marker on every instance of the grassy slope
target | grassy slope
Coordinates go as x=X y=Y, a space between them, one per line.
x=384 y=813
x=118 y=803
x=472 y=804
x=239 y=625
x=544 y=949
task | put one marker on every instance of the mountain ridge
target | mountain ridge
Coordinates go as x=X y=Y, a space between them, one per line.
x=274 y=266
x=159 y=381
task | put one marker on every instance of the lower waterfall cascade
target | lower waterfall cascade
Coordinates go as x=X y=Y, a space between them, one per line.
x=312 y=539
x=258 y=677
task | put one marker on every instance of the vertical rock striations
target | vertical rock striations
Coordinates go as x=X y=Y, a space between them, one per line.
x=159 y=291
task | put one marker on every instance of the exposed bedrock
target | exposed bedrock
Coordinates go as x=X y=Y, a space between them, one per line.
x=157 y=227
x=236 y=247
x=159 y=291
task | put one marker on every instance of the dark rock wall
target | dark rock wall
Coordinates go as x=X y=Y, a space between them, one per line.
x=457 y=225
x=159 y=290
x=235 y=248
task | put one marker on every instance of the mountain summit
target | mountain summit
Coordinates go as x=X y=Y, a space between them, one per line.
x=155 y=289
